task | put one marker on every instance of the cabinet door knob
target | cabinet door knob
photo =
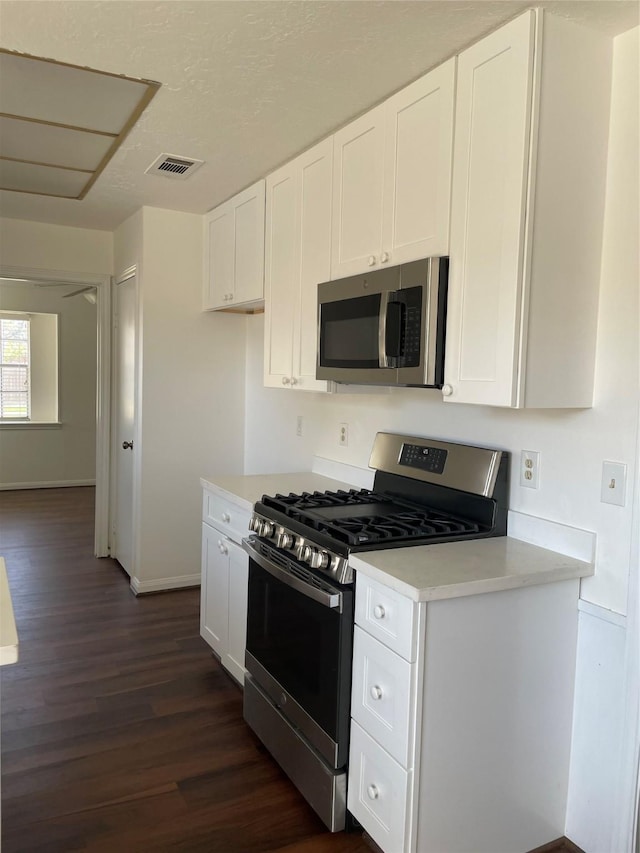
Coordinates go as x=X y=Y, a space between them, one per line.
x=385 y=257
x=286 y=380
x=372 y=260
x=372 y=792
x=294 y=381
x=447 y=390
x=222 y=547
x=376 y=692
x=379 y=611
x=226 y=517
x=127 y=445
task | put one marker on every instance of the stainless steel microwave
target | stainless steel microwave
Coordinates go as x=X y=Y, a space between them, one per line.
x=385 y=327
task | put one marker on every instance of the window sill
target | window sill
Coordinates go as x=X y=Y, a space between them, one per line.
x=30 y=425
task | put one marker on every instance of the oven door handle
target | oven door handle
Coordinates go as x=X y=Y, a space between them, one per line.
x=332 y=601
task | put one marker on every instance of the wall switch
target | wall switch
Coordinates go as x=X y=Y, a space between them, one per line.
x=614 y=483
x=299 y=425
x=343 y=435
x=530 y=469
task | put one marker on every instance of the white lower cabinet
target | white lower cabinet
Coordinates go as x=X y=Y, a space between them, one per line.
x=223 y=591
x=464 y=747
x=378 y=791
x=383 y=695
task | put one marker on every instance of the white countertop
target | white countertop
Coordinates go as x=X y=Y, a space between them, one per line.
x=455 y=569
x=245 y=490
x=424 y=572
x=8 y=633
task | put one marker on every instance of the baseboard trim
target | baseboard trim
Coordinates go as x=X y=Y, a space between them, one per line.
x=139 y=587
x=560 y=845
x=49 y=484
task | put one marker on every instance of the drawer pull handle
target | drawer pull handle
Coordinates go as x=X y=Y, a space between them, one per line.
x=379 y=611
x=376 y=692
x=226 y=517
x=372 y=792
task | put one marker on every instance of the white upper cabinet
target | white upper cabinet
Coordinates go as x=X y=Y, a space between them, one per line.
x=529 y=172
x=392 y=178
x=234 y=251
x=297 y=258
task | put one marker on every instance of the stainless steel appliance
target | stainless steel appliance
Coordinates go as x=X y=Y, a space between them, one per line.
x=385 y=327
x=300 y=599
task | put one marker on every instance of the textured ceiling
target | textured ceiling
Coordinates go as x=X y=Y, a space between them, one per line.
x=247 y=84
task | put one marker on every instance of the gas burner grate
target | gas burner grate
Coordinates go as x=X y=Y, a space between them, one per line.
x=400 y=526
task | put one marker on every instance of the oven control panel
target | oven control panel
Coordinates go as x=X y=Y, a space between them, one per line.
x=430 y=459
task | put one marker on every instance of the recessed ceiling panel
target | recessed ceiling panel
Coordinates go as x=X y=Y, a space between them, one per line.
x=56 y=117
x=78 y=97
x=43 y=180
x=51 y=145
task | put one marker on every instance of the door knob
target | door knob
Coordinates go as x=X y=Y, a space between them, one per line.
x=127 y=445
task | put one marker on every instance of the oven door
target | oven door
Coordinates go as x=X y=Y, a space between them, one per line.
x=299 y=646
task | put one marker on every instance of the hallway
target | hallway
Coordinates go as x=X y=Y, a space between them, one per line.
x=120 y=731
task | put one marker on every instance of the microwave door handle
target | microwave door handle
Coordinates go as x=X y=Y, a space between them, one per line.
x=383 y=359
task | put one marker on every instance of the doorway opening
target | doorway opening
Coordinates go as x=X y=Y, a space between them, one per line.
x=94 y=293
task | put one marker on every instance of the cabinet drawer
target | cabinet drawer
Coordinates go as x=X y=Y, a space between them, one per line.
x=226 y=516
x=387 y=616
x=378 y=792
x=383 y=696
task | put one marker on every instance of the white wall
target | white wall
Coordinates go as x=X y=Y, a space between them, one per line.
x=30 y=456
x=43 y=343
x=600 y=788
x=192 y=391
x=55 y=247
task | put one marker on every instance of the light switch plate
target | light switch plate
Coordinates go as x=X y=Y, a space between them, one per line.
x=614 y=483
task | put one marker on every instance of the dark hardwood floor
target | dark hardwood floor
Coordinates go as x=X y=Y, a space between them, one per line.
x=120 y=730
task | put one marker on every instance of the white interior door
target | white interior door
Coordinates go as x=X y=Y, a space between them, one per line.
x=124 y=422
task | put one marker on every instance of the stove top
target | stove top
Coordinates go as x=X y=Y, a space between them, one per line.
x=425 y=491
x=358 y=517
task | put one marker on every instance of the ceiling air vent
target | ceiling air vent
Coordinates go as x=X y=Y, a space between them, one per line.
x=170 y=166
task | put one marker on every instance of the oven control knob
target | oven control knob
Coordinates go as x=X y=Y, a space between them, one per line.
x=306 y=553
x=254 y=524
x=320 y=559
x=267 y=529
x=285 y=540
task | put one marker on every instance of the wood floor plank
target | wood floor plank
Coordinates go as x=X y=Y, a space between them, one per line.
x=121 y=731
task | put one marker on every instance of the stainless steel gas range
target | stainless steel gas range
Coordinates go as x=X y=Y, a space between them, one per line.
x=301 y=592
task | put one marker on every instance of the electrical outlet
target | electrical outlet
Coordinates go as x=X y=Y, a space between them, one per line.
x=530 y=469
x=614 y=482
x=299 y=425
x=343 y=435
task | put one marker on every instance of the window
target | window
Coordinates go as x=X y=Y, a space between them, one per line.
x=15 y=368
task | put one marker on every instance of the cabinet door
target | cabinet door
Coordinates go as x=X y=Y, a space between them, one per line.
x=358 y=186
x=281 y=274
x=238 y=583
x=214 y=590
x=315 y=170
x=248 y=212
x=490 y=186
x=417 y=181
x=378 y=792
x=218 y=257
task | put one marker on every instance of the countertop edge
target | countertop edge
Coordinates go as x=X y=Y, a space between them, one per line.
x=8 y=631
x=458 y=589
